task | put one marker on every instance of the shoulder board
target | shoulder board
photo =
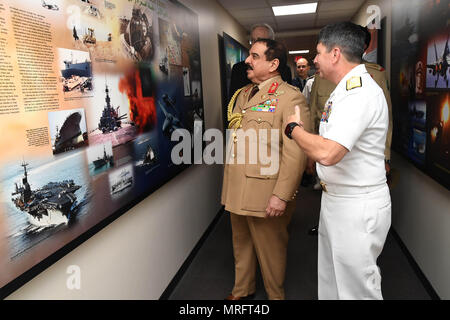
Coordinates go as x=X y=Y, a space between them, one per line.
x=353 y=82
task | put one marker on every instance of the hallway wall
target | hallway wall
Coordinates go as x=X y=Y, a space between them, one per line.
x=420 y=205
x=137 y=255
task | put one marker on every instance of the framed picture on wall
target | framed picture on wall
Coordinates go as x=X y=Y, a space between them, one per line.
x=91 y=137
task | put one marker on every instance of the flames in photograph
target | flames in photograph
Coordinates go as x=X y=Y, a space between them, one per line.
x=142 y=107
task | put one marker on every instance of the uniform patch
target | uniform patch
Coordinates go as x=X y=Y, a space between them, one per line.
x=354 y=82
x=267 y=106
x=326 y=112
x=273 y=88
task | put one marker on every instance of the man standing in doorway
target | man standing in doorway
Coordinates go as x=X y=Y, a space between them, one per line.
x=302 y=74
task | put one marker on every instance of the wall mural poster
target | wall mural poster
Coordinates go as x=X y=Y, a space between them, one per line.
x=91 y=92
x=420 y=74
x=234 y=53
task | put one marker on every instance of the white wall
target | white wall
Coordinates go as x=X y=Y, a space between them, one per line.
x=137 y=255
x=420 y=206
x=421 y=217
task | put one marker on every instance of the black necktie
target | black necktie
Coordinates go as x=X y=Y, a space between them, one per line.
x=255 y=89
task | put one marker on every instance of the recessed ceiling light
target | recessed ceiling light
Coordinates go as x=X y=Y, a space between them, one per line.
x=295 y=9
x=298 y=51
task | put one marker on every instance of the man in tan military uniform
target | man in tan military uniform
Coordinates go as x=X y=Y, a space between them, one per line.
x=260 y=204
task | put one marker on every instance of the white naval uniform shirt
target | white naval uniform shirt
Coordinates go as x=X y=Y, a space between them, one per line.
x=358 y=121
x=307 y=89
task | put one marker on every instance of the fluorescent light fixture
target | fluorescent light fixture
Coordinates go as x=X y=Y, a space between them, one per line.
x=298 y=51
x=295 y=9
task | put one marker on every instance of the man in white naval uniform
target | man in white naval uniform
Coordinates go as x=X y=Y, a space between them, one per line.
x=355 y=213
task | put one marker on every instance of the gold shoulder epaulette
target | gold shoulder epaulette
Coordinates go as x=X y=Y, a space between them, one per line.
x=354 y=82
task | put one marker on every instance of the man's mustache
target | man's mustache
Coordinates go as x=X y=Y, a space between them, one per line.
x=249 y=67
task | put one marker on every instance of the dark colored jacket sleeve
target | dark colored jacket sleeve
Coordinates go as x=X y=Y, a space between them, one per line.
x=238 y=78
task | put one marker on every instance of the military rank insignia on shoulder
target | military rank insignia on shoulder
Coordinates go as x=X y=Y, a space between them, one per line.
x=354 y=82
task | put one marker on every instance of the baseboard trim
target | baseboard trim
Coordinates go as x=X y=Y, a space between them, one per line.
x=423 y=279
x=176 y=279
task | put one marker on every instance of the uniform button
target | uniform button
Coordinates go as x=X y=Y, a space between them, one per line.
x=232 y=155
x=259 y=119
x=243 y=111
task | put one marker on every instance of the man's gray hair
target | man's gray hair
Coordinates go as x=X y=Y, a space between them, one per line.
x=271 y=34
x=345 y=35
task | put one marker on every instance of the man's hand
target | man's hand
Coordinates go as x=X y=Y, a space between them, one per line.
x=295 y=117
x=275 y=207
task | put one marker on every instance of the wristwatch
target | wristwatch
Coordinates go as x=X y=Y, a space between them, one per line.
x=289 y=128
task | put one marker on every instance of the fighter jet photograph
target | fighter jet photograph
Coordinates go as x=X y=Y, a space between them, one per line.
x=439 y=67
x=171 y=121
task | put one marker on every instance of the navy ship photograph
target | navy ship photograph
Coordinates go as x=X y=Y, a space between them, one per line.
x=76 y=72
x=53 y=204
x=110 y=120
x=107 y=120
x=148 y=159
x=121 y=180
x=71 y=134
x=103 y=161
x=100 y=158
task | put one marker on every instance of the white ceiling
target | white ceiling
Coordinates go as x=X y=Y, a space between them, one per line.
x=296 y=31
x=248 y=12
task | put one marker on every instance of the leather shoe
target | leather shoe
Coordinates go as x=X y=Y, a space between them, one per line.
x=231 y=297
x=314 y=231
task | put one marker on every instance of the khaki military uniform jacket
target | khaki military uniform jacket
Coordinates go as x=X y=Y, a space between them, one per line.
x=322 y=88
x=246 y=191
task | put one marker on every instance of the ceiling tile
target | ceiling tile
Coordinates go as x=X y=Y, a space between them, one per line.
x=251 y=13
x=350 y=5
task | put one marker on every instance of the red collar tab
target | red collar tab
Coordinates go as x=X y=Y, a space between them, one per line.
x=273 y=88
x=247 y=89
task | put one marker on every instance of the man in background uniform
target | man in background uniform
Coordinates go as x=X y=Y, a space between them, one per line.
x=261 y=204
x=355 y=212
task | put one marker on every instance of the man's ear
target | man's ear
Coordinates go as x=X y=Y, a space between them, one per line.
x=336 y=54
x=274 y=65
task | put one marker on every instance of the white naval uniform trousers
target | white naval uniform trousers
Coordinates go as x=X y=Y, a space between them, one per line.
x=352 y=231
x=355 y=213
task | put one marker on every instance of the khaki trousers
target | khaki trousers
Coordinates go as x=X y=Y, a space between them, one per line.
x=265 y=239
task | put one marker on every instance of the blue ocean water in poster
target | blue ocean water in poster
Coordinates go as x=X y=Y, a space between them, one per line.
x=23 y=235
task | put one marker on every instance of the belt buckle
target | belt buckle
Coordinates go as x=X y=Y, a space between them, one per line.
x=324 y=186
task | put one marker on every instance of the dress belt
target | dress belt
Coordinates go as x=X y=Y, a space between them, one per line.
x=342 y=189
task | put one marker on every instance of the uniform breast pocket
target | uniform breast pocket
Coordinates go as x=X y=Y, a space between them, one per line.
x=260 y=120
